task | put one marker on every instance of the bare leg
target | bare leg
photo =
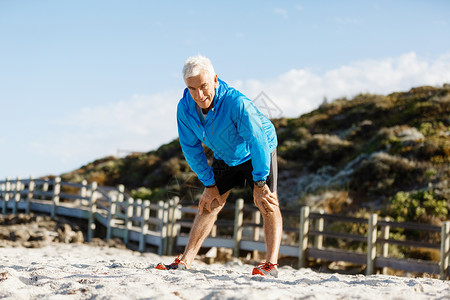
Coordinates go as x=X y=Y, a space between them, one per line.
x=273 y=230
x=200 y=230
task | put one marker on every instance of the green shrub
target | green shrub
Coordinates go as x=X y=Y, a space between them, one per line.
x=426 y=129
x=141 y=193
x=416 y=206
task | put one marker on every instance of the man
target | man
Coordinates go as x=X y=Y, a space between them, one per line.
x=244 y=143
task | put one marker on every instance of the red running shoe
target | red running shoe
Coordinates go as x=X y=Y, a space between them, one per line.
x=178 y=264
x=266 y=268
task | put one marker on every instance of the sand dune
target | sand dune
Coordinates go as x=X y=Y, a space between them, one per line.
x=81 y=271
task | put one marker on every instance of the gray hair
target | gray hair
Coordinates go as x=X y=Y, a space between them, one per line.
x=196 y=64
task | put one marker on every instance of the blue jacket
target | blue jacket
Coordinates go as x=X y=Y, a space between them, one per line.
x=234 y=130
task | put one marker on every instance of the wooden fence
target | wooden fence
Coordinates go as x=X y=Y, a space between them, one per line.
x=166 y=224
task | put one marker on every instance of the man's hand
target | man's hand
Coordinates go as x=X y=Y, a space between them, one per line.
x=207 y=199
x=264 y=199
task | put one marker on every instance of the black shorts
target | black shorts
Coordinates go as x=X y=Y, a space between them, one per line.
x=227 y=177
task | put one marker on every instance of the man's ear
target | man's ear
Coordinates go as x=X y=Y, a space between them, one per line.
x=216 y=81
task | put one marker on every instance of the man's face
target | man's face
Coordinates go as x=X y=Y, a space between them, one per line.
x=202 y=89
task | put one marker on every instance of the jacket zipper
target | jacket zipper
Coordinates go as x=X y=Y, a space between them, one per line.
x=204 y=126
x=212 y=125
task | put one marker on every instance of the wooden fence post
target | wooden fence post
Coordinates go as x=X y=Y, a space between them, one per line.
x=445 y=250
x=303 y=236
x=128 y=221
x=256 y=219
x=173 y=215
x=145 y=209
x=385 y=245
x=371 y=243
x=177 y=226
x=164 y=231
x=111 y=214
x=83 y=193
x=55 y=197
x=31 y=187
x=318 y=226
x=160 y=216
x=45 y=189
x=92 y=211
x=138 y=208
x=169 y=227
x=6 y=196
x=213 y=232
x=121 y=195
x=238 y=220
x=17 y=195
x=138 y=212
x=160 y=212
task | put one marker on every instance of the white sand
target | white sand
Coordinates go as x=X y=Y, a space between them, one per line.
x=80 y=271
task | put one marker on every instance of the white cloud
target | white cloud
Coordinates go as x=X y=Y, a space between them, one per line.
x=301 y=90
x=141 y=123
x=280 y=11
x=299 y=7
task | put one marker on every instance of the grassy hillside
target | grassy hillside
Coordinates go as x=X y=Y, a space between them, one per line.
x=386 y=153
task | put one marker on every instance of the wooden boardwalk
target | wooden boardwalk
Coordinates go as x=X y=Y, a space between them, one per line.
x=165 y=224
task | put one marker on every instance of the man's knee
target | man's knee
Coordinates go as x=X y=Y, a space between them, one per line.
x=216 y=207
x=271 y=212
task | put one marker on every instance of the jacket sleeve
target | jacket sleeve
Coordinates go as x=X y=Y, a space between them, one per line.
x=193 y=150
x=250 y=127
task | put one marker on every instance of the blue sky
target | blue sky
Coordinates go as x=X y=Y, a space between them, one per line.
x=81 y=79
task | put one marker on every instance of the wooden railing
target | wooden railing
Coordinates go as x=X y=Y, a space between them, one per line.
x=312 y=231
x=377 y=241
x=166 y=224
x=122 y=216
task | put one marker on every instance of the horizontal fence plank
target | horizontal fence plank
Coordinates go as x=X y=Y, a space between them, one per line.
x=72 y=197
x=408 y=265
x=72 y=212
x=338 y=235
x=182 y=240
x=189 y=210
x=253 y=245
x=290 y=229
x=41 y=207
x=42 y=193
x=409 y=243
x=338 y=218
x=337 y=255
x=289 y=250
x=261 y=246
x=72 y=184
x=411 y=226
x=253 y=225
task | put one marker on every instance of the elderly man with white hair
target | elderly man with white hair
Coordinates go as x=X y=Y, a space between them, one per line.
x=244 y=143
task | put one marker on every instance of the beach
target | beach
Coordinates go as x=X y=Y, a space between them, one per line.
x=83 y=271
